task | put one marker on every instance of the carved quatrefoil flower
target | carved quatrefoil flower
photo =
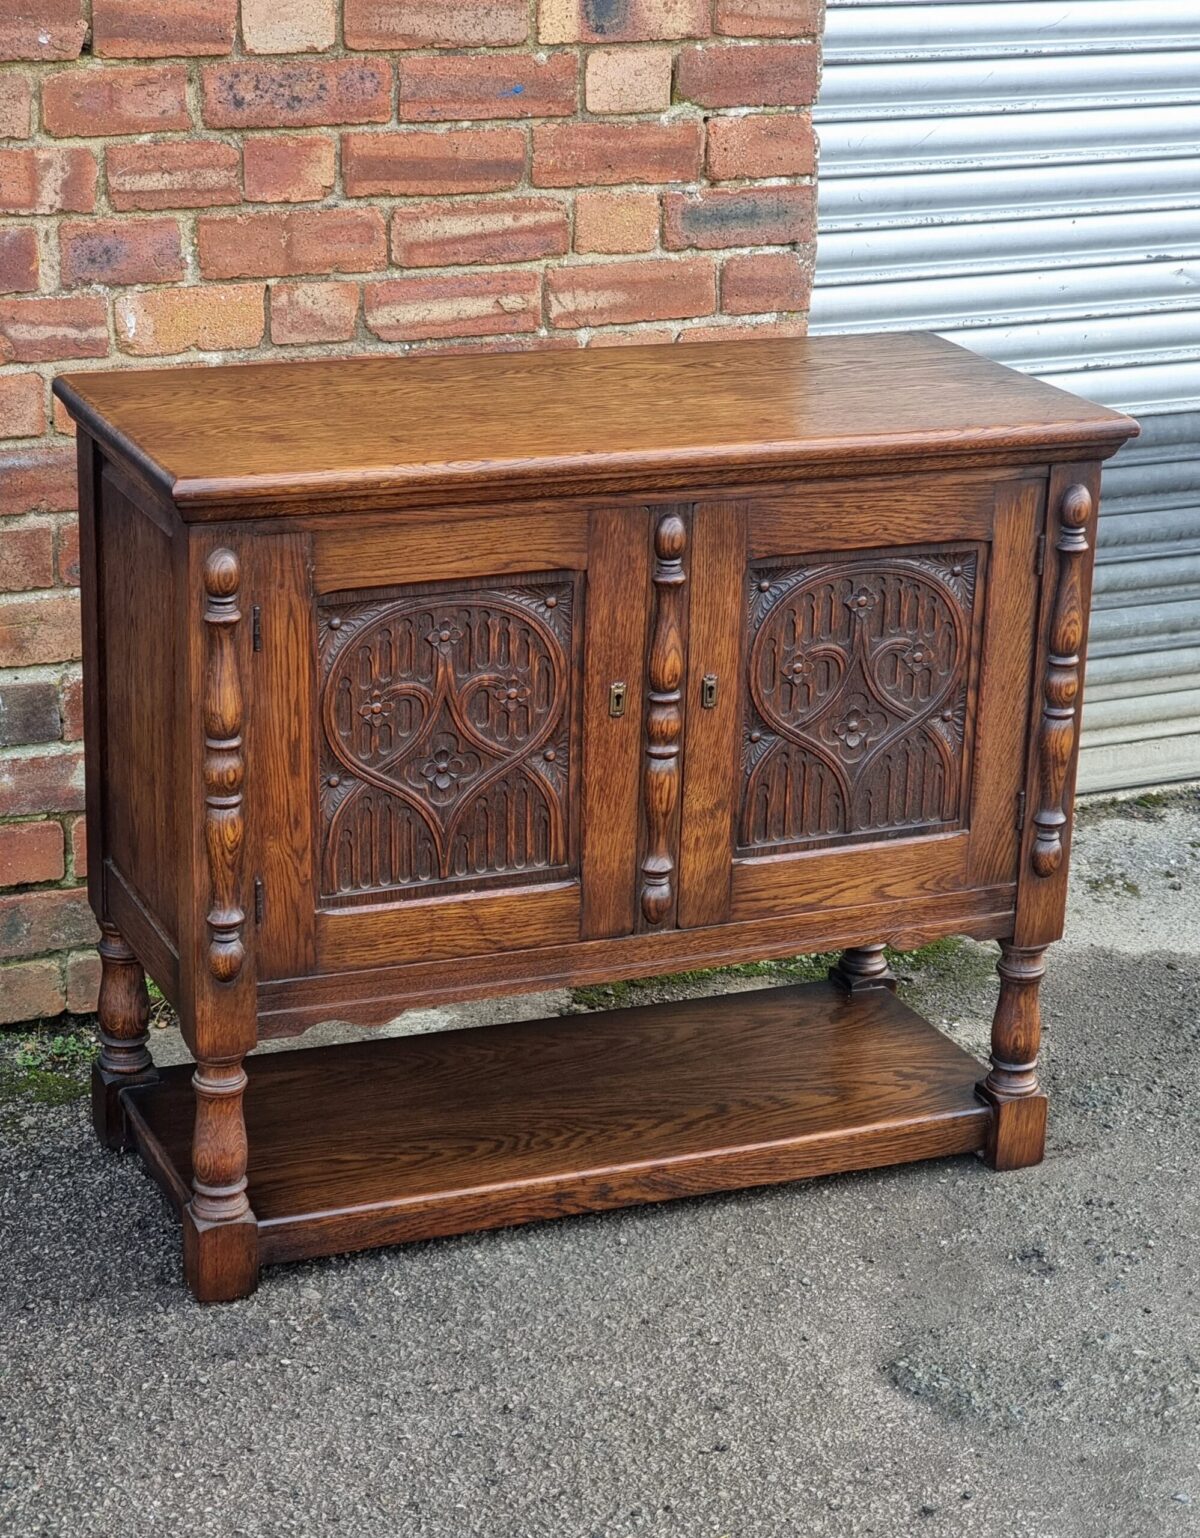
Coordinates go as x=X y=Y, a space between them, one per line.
x=858 y=726
x=918 y=657
x=375 y=707
x=444 y=635
x=445 y=768
x=861 y=600
x=510 y=692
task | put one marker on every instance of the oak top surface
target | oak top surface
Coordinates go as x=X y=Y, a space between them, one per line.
x=268 y=431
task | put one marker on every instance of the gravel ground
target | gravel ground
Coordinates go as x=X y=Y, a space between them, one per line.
x=936 y=1350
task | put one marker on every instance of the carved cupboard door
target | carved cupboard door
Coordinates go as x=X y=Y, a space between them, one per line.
x=868 y=651
x=467 y=787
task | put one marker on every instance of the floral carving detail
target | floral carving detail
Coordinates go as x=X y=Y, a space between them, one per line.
x=861 y=600
x=858 y=726
x=447 y=766
x=510 y=693
x=444 y=635
x=918 y=657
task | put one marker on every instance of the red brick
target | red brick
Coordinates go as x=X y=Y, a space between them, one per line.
x=31 y=852
x=629 y=79
x=503 y=85
x=61 y=419
x=91 y=103
x=435 y=23
x=22 y=406
x=768 y=18
x=78 y=847
x=41 y=330
x=764 y=281
x=466 y=304
x=120 y=251
x=210 y=318
x=30 y=990
x=47 y=181
x=68 y=554
x=16 y=105
x=42 y=29
x=40 y=783
x=156 y=29
x=774 y=144
x=605 y=154
x=37 y=480
x=313 y=312
x=173 y=174
x=612 y=223
x=743 y=332
x=292 y=242
x=749 y=75
x=32 y=923
x=26 y=558
x=621 y=21
x=71 y=710
x=442 y=234
x=29 y=712
x=83 y=982
x=298 y=94
x=617 y=293
x=39 y=629
x=471 y=160
x=643 y=337
x=737 y=216
x=289 y=26
x=18 y=266
x=299 y=168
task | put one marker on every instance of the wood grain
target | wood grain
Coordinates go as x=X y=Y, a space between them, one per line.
x=665 y=665
x=224 y=767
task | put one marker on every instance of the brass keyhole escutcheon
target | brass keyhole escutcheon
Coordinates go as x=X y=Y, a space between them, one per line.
x=708 y=691
x=617 y=694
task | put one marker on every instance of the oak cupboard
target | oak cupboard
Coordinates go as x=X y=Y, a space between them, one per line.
x=413 y=680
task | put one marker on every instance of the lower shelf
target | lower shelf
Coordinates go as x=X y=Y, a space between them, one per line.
x=421 y=1136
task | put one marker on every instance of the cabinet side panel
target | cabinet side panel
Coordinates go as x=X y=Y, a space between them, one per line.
x=138 y=663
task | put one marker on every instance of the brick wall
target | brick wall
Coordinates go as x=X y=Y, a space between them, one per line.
x=202 y=179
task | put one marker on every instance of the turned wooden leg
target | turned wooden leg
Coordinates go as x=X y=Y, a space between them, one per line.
x=1018 y=1134
x=124 y=1016
x=863 y=966
x=220 y=1235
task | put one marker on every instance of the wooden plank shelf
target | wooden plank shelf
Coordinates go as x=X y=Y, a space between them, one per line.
x=415 y=1137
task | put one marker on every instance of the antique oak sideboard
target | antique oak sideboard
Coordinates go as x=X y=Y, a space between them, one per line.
x=415 y=680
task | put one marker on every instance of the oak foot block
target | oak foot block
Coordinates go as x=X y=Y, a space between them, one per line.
x=1017 y=1138
x=220 y=1260
x=108 y=1114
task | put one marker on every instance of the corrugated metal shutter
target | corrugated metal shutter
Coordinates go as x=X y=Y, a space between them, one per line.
x=1023 y=176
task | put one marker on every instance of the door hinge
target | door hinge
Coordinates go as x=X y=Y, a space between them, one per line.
x=1039 y=560
x=1020 y=810
x=259 y=901
x=256 y=627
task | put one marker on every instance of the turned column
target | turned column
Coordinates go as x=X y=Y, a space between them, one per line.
x=1018 y=1133
x=124 y=1018
x=863 y=966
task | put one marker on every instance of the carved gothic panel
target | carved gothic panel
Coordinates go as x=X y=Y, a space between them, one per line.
x=446 y=737
x=858 y=671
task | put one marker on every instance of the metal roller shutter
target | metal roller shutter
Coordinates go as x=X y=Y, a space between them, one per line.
x=1023 y=176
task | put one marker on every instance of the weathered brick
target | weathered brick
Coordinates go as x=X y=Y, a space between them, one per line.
x=621 y=21
x=629 y=80
x=737 y=216
x=416 y=161
x=288 y=26
x=771 y=144
x=27 y=558
x=42 y=330
x=313 y=312
x=435 y=23
x=152 y=29
x=616 y=293
x=173 y=174
x=42 y=29
x=731 y=331
x=16 y=105
x=748 y=75
x=441 y=234
x=32 y=923
x=306 y=93
x=47 y=181
x=83 y=982
x=292 y=241
x=18 y=268
x=68 y=554
x=297 y=168
x=768 y=18
x=30 y=990
x=161 y=322
x=37 y=480
x=644 y=336
x=22 y=403
x=78 y=846
x=466 y=304
x=610 y=223
x=31 y=852
x=764 y=281
x=39 y=629
x=120 y=251
x=94 y=103
x=487 y=86
x=29 y=713
x=71 y=709
x=606 y=154
x=37 y=783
